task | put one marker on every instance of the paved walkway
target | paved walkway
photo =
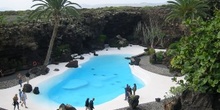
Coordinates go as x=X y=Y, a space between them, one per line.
x=156 y=68
x=11 y=80
x=13 y=76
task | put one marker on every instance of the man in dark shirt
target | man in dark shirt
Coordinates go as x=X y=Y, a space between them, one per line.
x=91 y=106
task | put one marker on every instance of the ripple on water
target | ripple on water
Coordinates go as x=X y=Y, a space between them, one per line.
x=75 y=83
x=105 y=78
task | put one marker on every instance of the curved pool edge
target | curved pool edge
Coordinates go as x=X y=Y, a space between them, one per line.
x=66 y=84
x=156 y=87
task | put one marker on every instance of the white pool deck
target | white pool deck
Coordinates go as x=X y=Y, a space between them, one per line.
x=156 y=85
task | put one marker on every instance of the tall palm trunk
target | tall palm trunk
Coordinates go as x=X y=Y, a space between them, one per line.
x=50 y=48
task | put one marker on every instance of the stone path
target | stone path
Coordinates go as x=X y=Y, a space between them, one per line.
x=157 y=68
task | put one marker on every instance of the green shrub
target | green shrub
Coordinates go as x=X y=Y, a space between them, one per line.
x=172 y=50
x=150 y=51
x=174 y=45
x=177 y=91
x=159 y=57
x=153 y=58
x=59 y=50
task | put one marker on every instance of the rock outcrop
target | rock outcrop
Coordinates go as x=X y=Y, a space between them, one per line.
x=133 y=101
x=66 y=107
x=195 y=101
x=25 y=42
x=27 y=88
x=36 y=90
x=72 y=64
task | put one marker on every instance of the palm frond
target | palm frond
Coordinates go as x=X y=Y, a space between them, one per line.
x=49 y=8
x=71 y=4
x=185 y=9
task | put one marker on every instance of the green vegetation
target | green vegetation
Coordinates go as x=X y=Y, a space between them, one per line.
x=116 y=8
x=146 y=7
x=54 y=10
x=213 y=5
x=156 y=58
x=60 y=50
x=182 y=10
x=12 y=63
x=198 y=55
x=150 y=51
x=177 y=91
x=159 y=57
x=13 y=17
x=187 y=9
x=2 y=19
x=172 y=50
x=102 y=38
x=152 y=34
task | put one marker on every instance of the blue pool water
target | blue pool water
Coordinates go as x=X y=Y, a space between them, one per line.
x=103 y=77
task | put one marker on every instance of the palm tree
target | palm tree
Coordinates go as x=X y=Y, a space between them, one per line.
x=53 y=9
x=187 y=9
x=182 y=10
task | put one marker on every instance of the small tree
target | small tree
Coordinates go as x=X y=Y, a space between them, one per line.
x=151 y=33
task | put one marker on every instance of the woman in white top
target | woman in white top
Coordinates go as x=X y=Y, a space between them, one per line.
x=24 y=98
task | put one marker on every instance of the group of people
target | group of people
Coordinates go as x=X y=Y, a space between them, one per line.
x=22 y=94
x=89 y=104
x=128 y=90
x=23 y=98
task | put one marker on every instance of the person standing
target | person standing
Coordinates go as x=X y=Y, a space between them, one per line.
x=91 y=104
x=15 y=101
x=134 y=88
x=19 y=79
x=27 y=76
x=87 y=104
x=129 y=91
x=24 y=98
x=126 y=92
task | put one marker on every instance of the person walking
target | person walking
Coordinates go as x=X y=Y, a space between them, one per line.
x=24 y=98
x=19 y=79
x=134 y=88
x=87 y=104
x=91 y=104
x=20 y=93
x=15 y=101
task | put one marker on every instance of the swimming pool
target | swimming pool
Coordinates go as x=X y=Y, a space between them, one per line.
x=103 y=77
